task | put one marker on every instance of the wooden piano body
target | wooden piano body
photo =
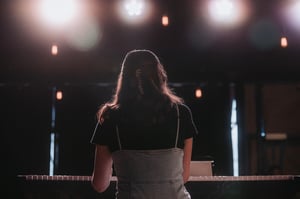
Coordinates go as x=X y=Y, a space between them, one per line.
x=200 y=187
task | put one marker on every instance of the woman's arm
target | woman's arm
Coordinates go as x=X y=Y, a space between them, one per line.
x=188 y=146
x=102 y=168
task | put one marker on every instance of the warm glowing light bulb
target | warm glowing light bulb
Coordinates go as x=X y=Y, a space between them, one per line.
x=54 y=49
x=59 y=95
x=165 y=20
x=198 y=93
x=284 y=42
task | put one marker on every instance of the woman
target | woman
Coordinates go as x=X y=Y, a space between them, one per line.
x=145 y=133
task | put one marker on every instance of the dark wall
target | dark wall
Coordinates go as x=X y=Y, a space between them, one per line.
x=25 y=127
x=76 y=120
x=211 y=114
x=279 y=114
x=25 y=130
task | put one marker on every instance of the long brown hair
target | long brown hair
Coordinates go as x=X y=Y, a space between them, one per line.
x=142 y=76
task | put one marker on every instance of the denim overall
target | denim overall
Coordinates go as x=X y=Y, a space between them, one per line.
x=150 y=174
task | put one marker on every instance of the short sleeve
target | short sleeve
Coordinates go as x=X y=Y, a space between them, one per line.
x=104 y=132
x=188 y=127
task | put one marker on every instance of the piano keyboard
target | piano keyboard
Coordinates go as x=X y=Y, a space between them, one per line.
x=213 y=187
x=192 y=178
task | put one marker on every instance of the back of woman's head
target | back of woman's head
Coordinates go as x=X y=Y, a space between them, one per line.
x=142 y=79
x=142 y=75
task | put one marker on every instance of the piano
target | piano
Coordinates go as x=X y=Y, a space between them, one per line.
x=200 y=187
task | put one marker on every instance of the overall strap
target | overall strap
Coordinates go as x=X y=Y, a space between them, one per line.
x=118 y=136
x=178 y=125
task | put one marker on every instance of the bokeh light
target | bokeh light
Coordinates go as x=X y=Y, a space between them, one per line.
x=165 y=20
x=134 y=11
x=227 y=12
x=59 y=95
x=84 y=35
x=198 y=93
x=264 y=34
x=54 y=49
x=283 y=42
x=58 y=12
x=291 y=12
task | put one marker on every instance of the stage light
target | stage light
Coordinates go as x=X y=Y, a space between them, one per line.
x=222 y=10
x=58 y=12
x=134 y=7
x=165 y=20
x=59 y=95
x=292 y=14
x=134 y=11
x=198 y=93
x=227 y=12
x=54 y=49
x=283 y=42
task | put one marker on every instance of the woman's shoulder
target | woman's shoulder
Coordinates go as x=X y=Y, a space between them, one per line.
x=184 y=107
x=111 y=113
x=185 y=111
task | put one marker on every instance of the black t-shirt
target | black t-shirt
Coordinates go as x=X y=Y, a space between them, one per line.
x=140 y=130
